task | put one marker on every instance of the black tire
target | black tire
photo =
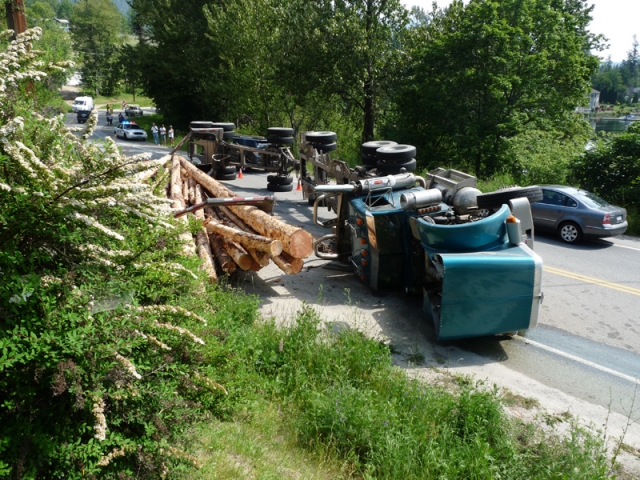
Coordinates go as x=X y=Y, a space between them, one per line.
x=227 y=127
x=280 y=140
x=125 y=136
x=499 y=197
x=321 y=138
x=278 y=180
x=369 y=161
x=228 y=170
x=370 y=148
x=324 y=148
x=570 y=232
x=394 y=168
x=204 y=167
x=226 y=176
x=228 y=135
x=396 y=153
x=274 y=187
x=201 y=124
x=280 y=132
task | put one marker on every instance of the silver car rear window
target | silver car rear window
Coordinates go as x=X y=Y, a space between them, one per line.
x=591 y=200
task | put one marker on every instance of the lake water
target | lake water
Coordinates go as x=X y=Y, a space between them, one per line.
x=609 y=125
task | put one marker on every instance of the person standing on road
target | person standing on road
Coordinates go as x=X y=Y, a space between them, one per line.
x=154 y=130
x=171 y=135
x=163 y=134
x=124 y=105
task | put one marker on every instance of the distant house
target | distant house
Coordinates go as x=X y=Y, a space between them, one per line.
x=594 y=100
x=63 y=24
x=594 y=103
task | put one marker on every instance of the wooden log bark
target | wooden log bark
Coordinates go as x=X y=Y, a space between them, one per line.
x=282 y=264
x=198 y=198
x=250 y=240
x=147 y=174
x=217 y=246
x=296 y=263
x=185 y=190
x=204 y=252
x=192 y=190
x=295 y=241
x=176 y=185
x=225 y=214
x=239 y=255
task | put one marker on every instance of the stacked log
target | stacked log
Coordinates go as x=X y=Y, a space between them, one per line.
x=235 y=236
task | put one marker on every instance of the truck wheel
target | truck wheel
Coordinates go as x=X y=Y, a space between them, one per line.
x=369 y=161
x=228 y=170
x=279 y=132
x=385 y=168
x=322 y=138
x=499 y=197
x=570 y=232
x=274 y=187
x=226 y=176
x=227 y=127
x=230 y=134
x=324 y=148
x=278 y=180
x=396 y=153
x=369 y=148
x=201 y=124
x=280 y=140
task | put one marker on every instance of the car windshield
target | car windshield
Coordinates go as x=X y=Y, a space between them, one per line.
x=591 y=200
x=128 y=126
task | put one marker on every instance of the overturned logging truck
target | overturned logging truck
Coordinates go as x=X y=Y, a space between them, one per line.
x=470 y=255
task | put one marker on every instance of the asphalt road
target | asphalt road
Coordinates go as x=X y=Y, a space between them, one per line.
x=586 y=345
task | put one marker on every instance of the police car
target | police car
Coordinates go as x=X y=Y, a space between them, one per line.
x=130 y=131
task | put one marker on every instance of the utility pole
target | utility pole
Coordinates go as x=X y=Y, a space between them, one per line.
x=16 y=19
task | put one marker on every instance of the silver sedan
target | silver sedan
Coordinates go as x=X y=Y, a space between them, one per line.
x=574 y=213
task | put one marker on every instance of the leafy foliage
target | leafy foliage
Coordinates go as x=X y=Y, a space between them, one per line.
x=481 y=73
x=611 y=168
x=100 y=367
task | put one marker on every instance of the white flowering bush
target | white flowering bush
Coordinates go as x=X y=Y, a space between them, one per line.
x=100 y=367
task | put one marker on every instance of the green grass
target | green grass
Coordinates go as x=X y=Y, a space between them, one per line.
x=305 y=402
x=116 y=100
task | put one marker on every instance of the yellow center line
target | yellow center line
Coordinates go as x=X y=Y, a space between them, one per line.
x=595 y=281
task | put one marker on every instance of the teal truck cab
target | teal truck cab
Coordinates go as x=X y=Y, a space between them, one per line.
x=475 y=268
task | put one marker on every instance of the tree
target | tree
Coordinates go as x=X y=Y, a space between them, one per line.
x=611 y=168
x=481 y=73
x=97 y=27
x=65 y=9
x=346 y=48
x=608 y=81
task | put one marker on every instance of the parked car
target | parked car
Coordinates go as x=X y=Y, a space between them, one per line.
x=130 y=131
x=574 y=213
x=133 y=111
x=82 y=103
x=82 y=115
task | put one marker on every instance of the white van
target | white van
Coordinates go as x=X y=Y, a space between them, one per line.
x=82 y=103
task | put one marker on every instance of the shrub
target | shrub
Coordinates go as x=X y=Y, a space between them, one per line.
x=100 y=368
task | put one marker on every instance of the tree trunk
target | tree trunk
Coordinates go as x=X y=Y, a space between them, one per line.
x=249 y=240
x=295 y=241
x=217 y=245
x=230 y=218
x=204 y=251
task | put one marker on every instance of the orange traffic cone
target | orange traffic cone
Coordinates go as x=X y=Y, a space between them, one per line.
x=299 y=187
x=240 y=173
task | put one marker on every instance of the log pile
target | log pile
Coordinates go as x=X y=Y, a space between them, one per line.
x=234 y=236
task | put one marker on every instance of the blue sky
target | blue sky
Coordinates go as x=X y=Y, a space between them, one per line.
x=618 y=20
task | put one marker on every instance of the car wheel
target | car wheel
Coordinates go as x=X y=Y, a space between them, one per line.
x=570 y=232
x=279 y=180
x=274 y=187
x=499 y=197
x=125 y=136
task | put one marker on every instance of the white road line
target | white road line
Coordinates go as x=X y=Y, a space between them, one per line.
x=624 y=246
x=615 y=373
